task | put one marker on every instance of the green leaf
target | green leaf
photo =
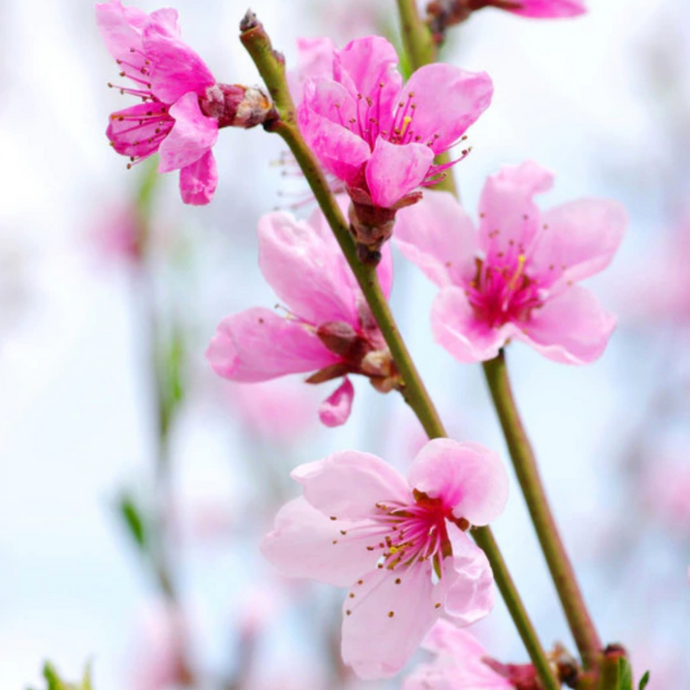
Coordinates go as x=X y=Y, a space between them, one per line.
x=644 y=680
x=171 y=366
x=625 y=675
x=55 y=682
x=134 y=520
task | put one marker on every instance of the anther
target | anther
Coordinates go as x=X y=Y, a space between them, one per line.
x=391 y=614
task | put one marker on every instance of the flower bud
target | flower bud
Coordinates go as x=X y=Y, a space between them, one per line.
x=235 y=105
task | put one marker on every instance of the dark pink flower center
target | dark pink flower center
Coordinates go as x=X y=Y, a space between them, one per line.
x=500 y=294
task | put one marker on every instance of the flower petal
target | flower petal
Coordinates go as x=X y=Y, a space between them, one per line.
x=470 y=597
x=467 y=477
x=305 y=543
x=335 y=410
x=314 y=60
x=306 y=269
x=577 y=240
x=509 y=217
x=386 y=618
x=438 y=236
x=199 y=180
x=121 y=27
x=137 y=131
x=340 y=151
x=446 y=100
x=258 y=345
x=572 y=328
x=190 y=138
x=550 y=9
x=175 y=68
x=396 y=170
x=456 y=328
x=349 y=484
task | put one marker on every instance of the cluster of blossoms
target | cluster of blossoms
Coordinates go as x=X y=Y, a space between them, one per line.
x=399 y=545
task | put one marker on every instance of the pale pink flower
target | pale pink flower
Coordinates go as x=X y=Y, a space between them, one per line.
x=515 y=277
x=542 y=9
x=378 y=136
x=399 y=545
x=327 y=327
x=182 y=105
x=116 y=235
x=458 y=664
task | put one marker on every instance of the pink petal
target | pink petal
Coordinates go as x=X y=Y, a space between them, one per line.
x=509 y=217
x=199 y=180
x=315 y=61
x=375 y=643
x=367 y=68
x=470 y=597
x=458 y=330
x=572 y=328
x=551 y=9
x=134 y=132
x=306 y=269
x=438 y=236
x=335 y=410
x=258 y=345
x=176 y=68
x=446 y=637
x=395 y=170
x=305 y=543
x=577 y=240
x=448 y=100
x=121 y=29
x=349 y=484
x=190 y=138
x=467 y=477
x=340 y=151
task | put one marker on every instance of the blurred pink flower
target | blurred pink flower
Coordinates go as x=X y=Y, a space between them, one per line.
x=458 y=664
x=514 y=278
x=400 y=545
x=665 y=487
x=116 y=235
x=328 y=328
x=182 y=107
x=377 y=136
x=542 y=9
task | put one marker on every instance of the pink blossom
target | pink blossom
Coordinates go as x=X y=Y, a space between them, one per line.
x=116 y=234
x=515 y=278
x=327 y=327
x=458 y=665
x=182 y=105
x=399 y=545
x=379 y=136
x=542 y=9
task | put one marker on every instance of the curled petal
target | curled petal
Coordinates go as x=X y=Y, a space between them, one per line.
x=335 y=410
x=577 y=240
x=121 y=27
x=509 y=217
x=349 y=484
x=572 y=328
x=470 y=597
x=550 y=9
x=385 y=619
x=437 y=234
x=199 y=180
x=176 y=68
x=190 y=138
x=395 y=171
x=258 y=345
x=448 y=100
x=306 y=269
x=467 y=477
x=456 y=327
x=305 y=543
x=138 y=131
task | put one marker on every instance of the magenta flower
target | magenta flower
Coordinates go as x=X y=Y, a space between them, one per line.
x=379 y=136
x=515 y=278
x=541 y=9
x=182 y=105
x=459 y=663
x=327 y=327
x=399 y=545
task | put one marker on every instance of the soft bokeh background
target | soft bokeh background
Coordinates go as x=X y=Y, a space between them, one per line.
x=603 y=100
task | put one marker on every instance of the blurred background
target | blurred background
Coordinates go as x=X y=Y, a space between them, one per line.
x=135 y=484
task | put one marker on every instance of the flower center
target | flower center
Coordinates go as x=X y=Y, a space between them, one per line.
x=502 y=293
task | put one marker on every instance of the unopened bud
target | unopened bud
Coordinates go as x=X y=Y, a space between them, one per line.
x=235 y=105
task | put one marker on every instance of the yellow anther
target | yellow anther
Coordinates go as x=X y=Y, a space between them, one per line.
x=406 y=122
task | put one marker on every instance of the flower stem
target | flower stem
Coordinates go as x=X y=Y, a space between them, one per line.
x=417 y=39
x=272 y=69
x=527 y=472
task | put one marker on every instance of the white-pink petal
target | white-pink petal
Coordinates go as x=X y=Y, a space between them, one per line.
x=467 y=477
x=199 y=180
x=335 y=409
x=349 y=484
x=304 y=543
